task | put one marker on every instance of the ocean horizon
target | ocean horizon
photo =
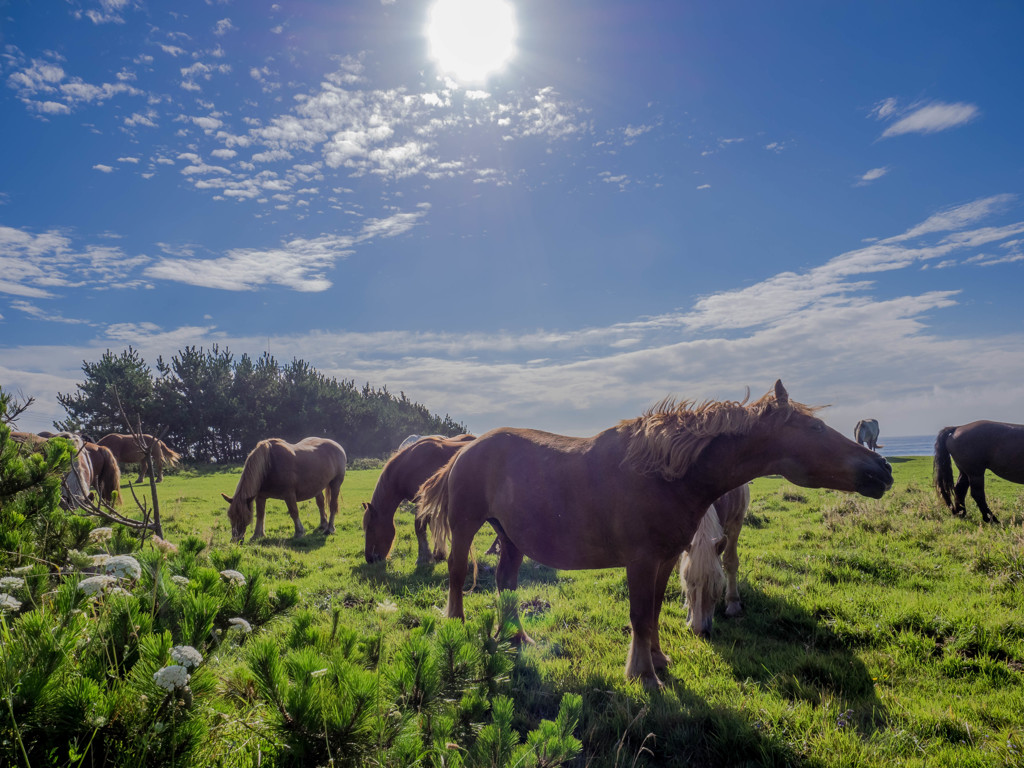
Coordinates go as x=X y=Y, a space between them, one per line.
x=913 y=445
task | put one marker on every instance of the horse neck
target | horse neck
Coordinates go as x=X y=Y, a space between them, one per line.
x=386 y=494
x=728 y=462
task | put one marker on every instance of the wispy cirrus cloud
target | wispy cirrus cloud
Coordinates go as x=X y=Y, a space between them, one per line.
x=932 y=117
x=873 y=175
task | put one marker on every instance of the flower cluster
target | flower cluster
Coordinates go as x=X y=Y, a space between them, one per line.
x=181 y=581
x=234 y=578
x=240 y=623
x=123 y=566
x=100 y=535
x=171 y=677
x=8 y=603
x=163 y=545
x=95 y=584
x=187 y=656
x=11 y=583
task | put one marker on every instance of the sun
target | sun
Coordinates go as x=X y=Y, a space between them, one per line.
x=471 y=39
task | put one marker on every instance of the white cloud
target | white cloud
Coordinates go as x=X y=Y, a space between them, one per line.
x=933 y=118
x=873 y=175
x=103 y=168
x=223 y=26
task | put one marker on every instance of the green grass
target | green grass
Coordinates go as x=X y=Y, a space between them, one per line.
x=875 y=633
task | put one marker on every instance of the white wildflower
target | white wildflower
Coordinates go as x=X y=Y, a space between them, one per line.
x=95 y=584
x=123 y=566
x=119 y=591
x=240 y=623
x=21 y=570
x=171 y=677
x=11 y=583
x=8 y=603
x=181 y=581
x=234 y=578
x=100 y=535
x=319 y=672
x=187 y=656
x=386 y=606
x=98 y=560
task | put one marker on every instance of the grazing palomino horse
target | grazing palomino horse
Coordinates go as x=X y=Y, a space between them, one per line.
x=631 y=496
x=127 y=451
x=399 y=481
x=106 y=474
x=74 y=492
x=700 y=569
x=275 y=469
x=866 y=433
x=976 y=447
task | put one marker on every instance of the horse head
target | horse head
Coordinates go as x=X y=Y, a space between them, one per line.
x=809 y=453
x=380 y=534
x=702 y=575
x=240 y=514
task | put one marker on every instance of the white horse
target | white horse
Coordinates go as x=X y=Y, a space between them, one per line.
x=700 y=568
x=866 y=433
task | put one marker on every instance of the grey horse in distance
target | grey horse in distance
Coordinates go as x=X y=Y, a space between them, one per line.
x=866 y=433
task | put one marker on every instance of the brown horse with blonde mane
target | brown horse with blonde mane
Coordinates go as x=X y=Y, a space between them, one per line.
x=275 y=469
x=399 y=481
x=106 y=474
x=126 y=450
x=701 y=574
x=632 y=495
x=975 y=447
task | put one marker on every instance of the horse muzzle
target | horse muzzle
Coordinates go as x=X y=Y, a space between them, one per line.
x=875 y=478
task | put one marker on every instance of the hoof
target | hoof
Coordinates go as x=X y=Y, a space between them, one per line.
x=660 y=660
x=734 y=609
x=650 y=681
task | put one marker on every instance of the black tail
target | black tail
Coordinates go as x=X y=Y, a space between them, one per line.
x=942 y=468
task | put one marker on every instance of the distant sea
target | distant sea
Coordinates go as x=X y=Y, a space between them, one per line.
x=918 y=445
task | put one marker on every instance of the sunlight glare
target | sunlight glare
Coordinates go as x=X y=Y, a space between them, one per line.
x=471 y=39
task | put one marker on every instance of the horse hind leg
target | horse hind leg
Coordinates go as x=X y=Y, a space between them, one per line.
x=458 y=567
x=322 y=528
x=731 y=562
x=963 y=484
x=978 y=494
x=332 y=504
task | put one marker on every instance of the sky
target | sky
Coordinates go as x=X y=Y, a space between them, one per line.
x=640 y=200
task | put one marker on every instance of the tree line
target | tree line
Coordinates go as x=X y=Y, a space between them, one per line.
x=213 y=407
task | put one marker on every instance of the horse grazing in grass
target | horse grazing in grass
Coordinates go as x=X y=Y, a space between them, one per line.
x=127 y=451
x=700 y=570
x=976 y=447
x=399 y=481
x=866 y=433
x=106 y=474
x=632 y=495
x=275 y=469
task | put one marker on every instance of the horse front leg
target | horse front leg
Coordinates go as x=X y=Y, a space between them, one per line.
x=641 y=577
x=731 y=561
x=261 y=515
x=423 y=554
x=658 y=657
x=978 y=494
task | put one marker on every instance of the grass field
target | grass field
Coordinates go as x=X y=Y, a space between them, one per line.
x=875 y=633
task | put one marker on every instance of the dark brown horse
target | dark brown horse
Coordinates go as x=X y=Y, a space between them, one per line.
x=976 y=447
x=311 y=468
x=701 y=574
x=106 y=474
x=399 y=481
x=127 y=451
x=632 y=495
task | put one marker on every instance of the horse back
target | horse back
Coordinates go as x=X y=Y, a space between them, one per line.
x=303 y=469
x=993 y=445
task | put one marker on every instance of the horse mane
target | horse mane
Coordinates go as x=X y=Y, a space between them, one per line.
x=257 y=465
x=669 y=438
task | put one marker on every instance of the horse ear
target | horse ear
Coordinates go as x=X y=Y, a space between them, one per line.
x=781 y=395
x=227 y=498
x=366 y=506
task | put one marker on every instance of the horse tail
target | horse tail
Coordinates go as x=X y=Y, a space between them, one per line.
x=432 y=503
x=942 y=467
x=171 y=458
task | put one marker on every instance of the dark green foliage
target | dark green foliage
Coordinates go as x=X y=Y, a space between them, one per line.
x=216 y=409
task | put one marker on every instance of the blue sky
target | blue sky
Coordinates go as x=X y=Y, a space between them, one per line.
x=648 y=199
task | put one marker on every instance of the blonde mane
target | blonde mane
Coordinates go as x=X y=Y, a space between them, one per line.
x=257 y=464
x=667 y=439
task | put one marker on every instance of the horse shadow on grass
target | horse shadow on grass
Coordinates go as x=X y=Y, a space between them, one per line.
x=795 y=653
x=433 y=574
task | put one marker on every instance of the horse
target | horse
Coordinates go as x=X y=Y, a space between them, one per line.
x=632 y=495
x=74 y=490
x=106 y=473
x=866 y=433
x=700 y=569
x=399 y=481
x=975 y=447
x=126 y=450
x=275 y=469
